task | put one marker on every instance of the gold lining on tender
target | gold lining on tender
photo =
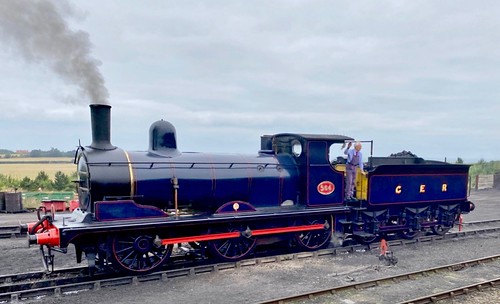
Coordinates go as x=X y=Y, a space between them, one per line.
x=132 y=177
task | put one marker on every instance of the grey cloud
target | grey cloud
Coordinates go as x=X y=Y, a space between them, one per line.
x=36 y=30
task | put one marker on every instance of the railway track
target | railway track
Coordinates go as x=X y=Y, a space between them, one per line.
x=481 y=223
x=396 y=279
x=456 y=292
x=12 y=231
x=73 y=280
x=9 y=231
x=29 y=286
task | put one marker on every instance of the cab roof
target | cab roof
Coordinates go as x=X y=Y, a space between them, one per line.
x=316 y=137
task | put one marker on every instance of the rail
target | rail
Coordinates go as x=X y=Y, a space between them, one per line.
x=452 y=293
x=378 y=281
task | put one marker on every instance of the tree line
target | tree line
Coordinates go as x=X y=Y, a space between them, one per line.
x=53 y=152
x=484 y=167
x=42 y=182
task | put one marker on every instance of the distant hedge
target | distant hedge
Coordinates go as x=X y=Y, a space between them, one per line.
x=483 y=167
x=60 y=182
x=53 y=152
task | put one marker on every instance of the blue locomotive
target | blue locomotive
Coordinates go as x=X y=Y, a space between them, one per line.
x=135 y=206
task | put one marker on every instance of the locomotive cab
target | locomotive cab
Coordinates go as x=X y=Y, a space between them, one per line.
x=322 y=184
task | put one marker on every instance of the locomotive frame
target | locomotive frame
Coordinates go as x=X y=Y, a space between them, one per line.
x=135 y=206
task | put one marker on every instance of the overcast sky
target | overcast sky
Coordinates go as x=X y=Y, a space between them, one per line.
x=422 y=76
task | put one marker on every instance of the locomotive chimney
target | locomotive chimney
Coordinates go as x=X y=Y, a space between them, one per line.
x=100 y=116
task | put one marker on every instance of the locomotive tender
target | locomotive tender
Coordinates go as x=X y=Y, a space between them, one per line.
x=135 y=206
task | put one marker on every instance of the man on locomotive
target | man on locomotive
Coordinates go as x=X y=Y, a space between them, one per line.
x=354 y=160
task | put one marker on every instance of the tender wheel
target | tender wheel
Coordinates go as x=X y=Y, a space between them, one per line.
x=233 y=249
x=440 y=230
x=314 y=239
x=410 y=233
x=139 y=253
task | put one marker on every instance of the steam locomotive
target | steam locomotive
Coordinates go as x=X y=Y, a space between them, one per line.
x=135 y=206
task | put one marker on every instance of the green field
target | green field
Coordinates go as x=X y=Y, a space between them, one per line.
x=29 y=167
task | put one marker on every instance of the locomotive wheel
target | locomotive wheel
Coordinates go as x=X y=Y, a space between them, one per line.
x=440 y=230
x=314 y=239
x=367 y=240
x=348 y=241
x=138 y=253
x=233 y=249
x=195 y=245
x=101 y=262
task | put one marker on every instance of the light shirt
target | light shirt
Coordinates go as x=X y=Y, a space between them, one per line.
x=354 y=157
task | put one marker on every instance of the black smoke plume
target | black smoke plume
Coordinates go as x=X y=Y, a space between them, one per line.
x=37 y=30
